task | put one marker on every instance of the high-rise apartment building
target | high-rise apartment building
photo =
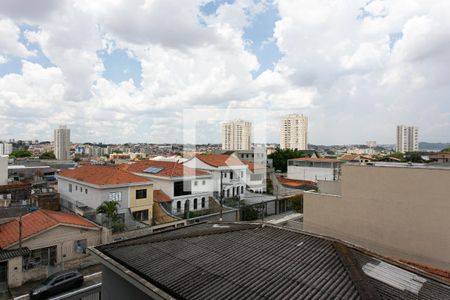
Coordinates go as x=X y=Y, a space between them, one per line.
x=407 y=139
x=237 y=135
x=62 y=142
x=294 y=132
x=6 y=148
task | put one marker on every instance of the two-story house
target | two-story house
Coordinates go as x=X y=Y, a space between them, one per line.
x=179 y=187
x=229 y=173
x=85 y=188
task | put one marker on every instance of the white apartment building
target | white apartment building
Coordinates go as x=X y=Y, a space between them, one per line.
x=237 y=135
x=6 y=148
x=294 y=132
x=407 y=139
x=62 y=142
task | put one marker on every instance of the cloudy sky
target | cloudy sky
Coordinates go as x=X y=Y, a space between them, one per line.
x=126 y=70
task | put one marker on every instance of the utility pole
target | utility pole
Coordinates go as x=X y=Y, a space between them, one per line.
x=20 y=228
x=221 y=196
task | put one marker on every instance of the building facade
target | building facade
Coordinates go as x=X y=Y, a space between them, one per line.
x=313 y=169
x=407 y=139
x=85 y=188
x=294 y=132
x=6 y=148
x=62 y=142
x=397 y=210
x=237 y=135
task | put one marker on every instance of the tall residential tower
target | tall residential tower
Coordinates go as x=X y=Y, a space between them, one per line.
x=294 y=132
x=407 y=139
x=237 y=135
x=62 y=142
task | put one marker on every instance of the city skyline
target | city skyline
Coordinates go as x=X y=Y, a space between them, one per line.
x=377 y=64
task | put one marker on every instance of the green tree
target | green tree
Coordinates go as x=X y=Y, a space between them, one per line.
x=47 y=155
x=110 y=209
x=281 y=156
x=446 y=150
x=20 y=153
x=249 y=213
x=414 y=157
x=296 y=203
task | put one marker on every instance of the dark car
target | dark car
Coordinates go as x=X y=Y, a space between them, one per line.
x=57 y=283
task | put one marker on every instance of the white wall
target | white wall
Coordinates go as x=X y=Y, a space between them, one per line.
x=309 y=173
x=3 y=169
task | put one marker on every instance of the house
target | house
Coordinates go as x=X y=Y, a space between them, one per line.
x=85 y=188
x=313 y=169
x=255 y=261
x=229 y=173
x=355 y=158
x=440 y=158
x=398 y=210
x=256 y=177
x=49 y=240
x=177 y=187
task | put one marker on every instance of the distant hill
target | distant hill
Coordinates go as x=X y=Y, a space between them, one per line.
x=433 y=146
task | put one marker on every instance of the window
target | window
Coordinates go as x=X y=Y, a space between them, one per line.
x=203 y=182
x=39 y=257
x=224 y=175
x=70 y=187
x=182 y=188
x=228 y=193
x=115 y=196
x=195 y=182
x=203 y=202
x=141 y=215
x=80 y=246
x=242 y=189
x=85 y=191
x=81 y=189
x=76 y=188
x=231 y=175
x=195 y=203
x=141 y=194
x=178 y=206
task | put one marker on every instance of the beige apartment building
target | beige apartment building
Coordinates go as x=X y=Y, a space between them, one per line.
x=402 y=212
x=294 y=132
x=61 y=138
x=237 y=135
x=407 y=139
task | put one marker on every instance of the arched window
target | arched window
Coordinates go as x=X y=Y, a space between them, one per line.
x=195 y=203
x=203 y=202
x=178 y=206
x=242 y=189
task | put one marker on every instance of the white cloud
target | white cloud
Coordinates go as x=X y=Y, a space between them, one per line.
x=9 y=40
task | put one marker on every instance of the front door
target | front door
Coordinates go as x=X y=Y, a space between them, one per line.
x=3 y=276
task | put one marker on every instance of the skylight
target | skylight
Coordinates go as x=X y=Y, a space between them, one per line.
x=152 y=170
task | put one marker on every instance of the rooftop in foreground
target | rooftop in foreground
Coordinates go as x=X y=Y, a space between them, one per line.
x=256 y=261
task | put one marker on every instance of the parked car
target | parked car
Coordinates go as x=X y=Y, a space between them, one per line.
x=57 y=283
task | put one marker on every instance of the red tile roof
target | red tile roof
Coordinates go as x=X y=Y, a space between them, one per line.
x=36 y=222
x=440 y=155
x=254 y=166
x=317 y=159
x=354 y=157
x=295 y=183
x=169 y=168
x=159 y=196
x=102 y=175
x=219 y=160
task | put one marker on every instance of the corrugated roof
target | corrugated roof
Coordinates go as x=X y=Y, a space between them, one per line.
x=251 y=261
x=7 y=254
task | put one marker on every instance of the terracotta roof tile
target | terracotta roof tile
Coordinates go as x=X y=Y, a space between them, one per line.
x=219 y=160
x=168 y=168
x=102 y=175
x=317 y=159
x=36 y=222
x=159 y=196
x=295 y=183
x=254 y=166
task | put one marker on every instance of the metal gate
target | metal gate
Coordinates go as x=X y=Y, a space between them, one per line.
x=3 y=276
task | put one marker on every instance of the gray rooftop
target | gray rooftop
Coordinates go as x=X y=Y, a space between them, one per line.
x=254 y=261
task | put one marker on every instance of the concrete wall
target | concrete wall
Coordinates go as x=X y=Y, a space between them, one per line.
x=329 y=187
x=3 y=169
x=395 y=211
x=309 y=173
x=114 y=287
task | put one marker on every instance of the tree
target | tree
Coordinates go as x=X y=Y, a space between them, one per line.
x=20 y=153
x=414 y=157
x=281 y=156
x=47 y=155
x=110 y=209
x=446 y=150
x=296 y=203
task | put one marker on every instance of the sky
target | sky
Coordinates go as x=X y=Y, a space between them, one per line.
x=121 y=71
